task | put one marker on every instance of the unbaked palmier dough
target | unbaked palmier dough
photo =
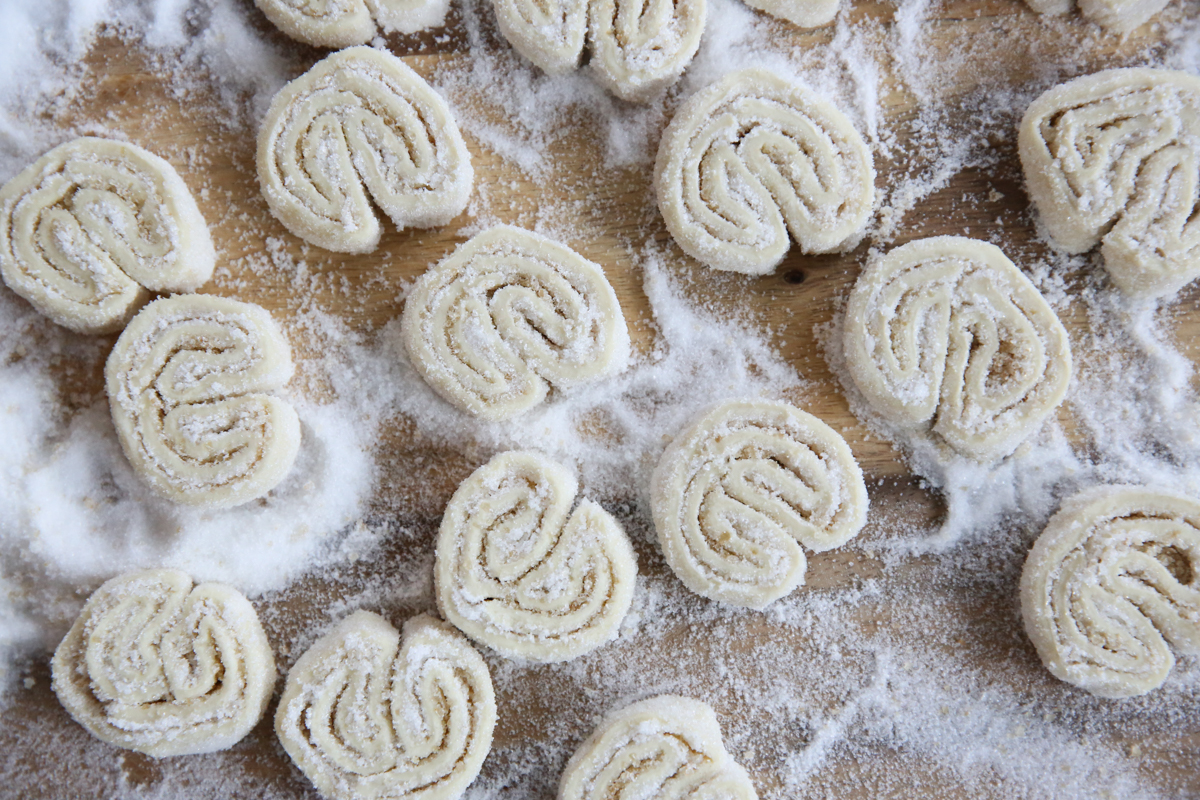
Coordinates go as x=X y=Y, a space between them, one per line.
x=947 y=335
x=521 y=572
x=637 y=49
x=740 y=493
x=1119 y=16
x=753 y=157
x=92 y=225
x=361 y=127
x=157 y=665
x=802 y=13
x=1114 y=159
x=342 y=23
x=369 y=714
x=509 y=315
x=667 y=747
x=1111 y=585
x=188 y=384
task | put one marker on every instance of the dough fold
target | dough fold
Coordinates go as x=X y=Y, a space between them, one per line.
x=1112 y=583
x=92 y=225
x=521 y=572
x=342 y=23
x=753 y=157
x=157 y=665
x=946 y=335
x=667 y=747
x=509 y=315
x=1114 y=159
x=358 y=128
x=638 y=49
x=740 y=493
x=369 y=714
x=187 y=386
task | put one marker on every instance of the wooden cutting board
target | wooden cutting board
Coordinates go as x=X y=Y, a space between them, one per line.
x=48 y=756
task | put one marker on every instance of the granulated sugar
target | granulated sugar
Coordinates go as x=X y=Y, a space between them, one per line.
x=899 y=669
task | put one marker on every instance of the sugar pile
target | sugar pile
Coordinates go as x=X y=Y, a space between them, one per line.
x=902 y=669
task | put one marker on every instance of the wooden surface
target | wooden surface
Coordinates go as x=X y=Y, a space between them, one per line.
x=617 y=220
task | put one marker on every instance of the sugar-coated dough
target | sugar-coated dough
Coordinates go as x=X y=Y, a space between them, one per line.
x=946 y=334
x=1119 y=16
x=638 y=49
x=1112 y=580
x=666 y=748
x=519 y=571
x=752 y=157
x=1114 y=159
x=157 y=665
x=803 y=13
x=738 y=495
x=368 y=714
x=92 y=225
x=507 y=316
x=187 y=384
x=358 y=128
x=342 y=23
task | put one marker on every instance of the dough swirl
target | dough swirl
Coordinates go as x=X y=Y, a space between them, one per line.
x=1114 y=159
x=1119 y=16
x=157 y=665
x=92 y=225
x=342 y=23
x=638 y=49
x=360 y=126
x=368 y=714
x=739 y=494
x=186 y=386
x=509 y=315
x=753 y=157
x=947 y=333
x=519 y=571
x=1113 y=579
x=667 y=747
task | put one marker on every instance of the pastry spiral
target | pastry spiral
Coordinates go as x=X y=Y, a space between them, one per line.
x=187 y=383
x=753 y=157
x=91 y=225
x=667 y=747
x=1119 y=16
x=946 y=334
x=342 y=23
x=1114 y=159
x=367 y=714
x=637 y=49
x=517 y=570
x=509 y=315
x=361 y=127
x=1112 y=580
x=157 y=665
x=739 y=494
x=802 y=13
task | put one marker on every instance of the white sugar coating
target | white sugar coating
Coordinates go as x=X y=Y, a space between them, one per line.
x=901 y=669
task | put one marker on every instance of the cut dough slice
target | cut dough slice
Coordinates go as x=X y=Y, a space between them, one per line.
x=186 y=386
x=802 y=13
x=517 y=570
x=946 y=334
x=1119 y=16
x=638 y=49
x=1113 y=578
x=366 y=714
x=90 y=226
x=342 y=23
x=739 y=494
x=667 y=747
x=509 y=315
x=752 y=157
x=157 y=665
x=358 y=127
x=1114 y=159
